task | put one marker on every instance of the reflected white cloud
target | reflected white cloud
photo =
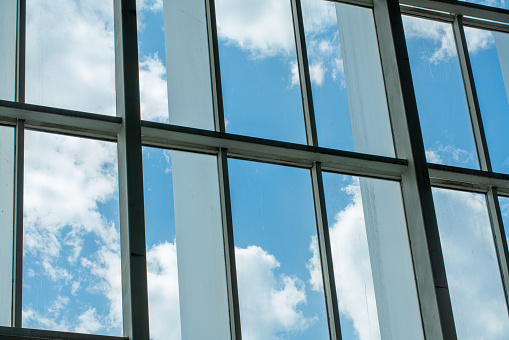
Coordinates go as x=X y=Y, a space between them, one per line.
x=352 y=267
x=440 y=154
x=442 y=36
x=269 y=305
x=472 y=271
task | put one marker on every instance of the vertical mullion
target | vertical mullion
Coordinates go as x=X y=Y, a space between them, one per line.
x=331 y=302
x=305 y=78
x=17 y=286
x=229 y=246
x=132 y=216
x=322 y=228
x=482 y=152
x=215 y=70
x=17 y=273
x=224 y=181
x=427 y=257
x=471 y=94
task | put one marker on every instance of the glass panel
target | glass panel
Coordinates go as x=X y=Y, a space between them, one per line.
x=162 y=273
x=8 y=49
x=493 y=3
x=441 y=101
x=275 y=237
x=346 y=76
x=187 y=63
x=485 y=50
x=350 y=256
x=152 y=57
x=70 y=55
x=6 y=222
x=473 y=276
x=327 y=76
x=200 y=252
x=258 y=69
x=71 y=241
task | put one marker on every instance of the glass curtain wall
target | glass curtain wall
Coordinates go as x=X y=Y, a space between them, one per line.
x=268 y=173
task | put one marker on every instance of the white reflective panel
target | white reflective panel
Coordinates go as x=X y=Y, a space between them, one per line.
x=440 y=94
x=260 y=82
x=6 y=222
x=200 y=251
x=71 y=240
x=162 y=276
x=276 y=254
x=473 y=275
x=488 y=55
x=391 y=261
x=350 y=256
x=8 y=19
x=70 y=60
x=369 y=115
x=187 y=64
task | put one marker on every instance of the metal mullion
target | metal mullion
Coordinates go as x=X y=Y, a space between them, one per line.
x=324 y=247
x=304 y=76
x=462 y=8
x=17 y=269
x=322 y=226
x=17 y=273
x=427 y=257
x=471 y=94
x=215 y=69
x=229 y=245
x=130 y=169
x=223 y=175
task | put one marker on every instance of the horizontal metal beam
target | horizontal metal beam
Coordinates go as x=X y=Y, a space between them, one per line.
x=8 y=333
x=362 y=3
x=426 y=14
x=462 y=8
x=465 y=179
x=69 y=122
x=449 y=18
x=263 y=150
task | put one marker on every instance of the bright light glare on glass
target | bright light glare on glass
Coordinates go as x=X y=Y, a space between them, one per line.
x=71 y=241
x=473 y=276
x=278 y=268
x=70 y=61
x=441 y=101
x=350 y=256
x=259 y=76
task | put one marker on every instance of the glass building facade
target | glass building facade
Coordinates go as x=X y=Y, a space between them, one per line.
x=233 y=169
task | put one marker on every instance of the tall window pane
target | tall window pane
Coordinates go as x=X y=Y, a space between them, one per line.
x=473 y=276
x=441 y=101
x=350 y=256
x=162 y=276
x=70 y=61
x=490 y=66
x=259 y=70
x=71 y=241
x=275 y=252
